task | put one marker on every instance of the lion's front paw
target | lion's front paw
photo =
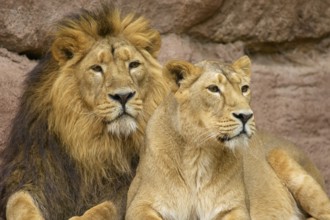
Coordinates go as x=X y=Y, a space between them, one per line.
x=103 y=211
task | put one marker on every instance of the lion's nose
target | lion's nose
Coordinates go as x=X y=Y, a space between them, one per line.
x=244 y=117
x=122 y=98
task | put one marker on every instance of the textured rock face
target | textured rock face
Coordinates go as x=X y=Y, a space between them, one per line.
x=25 y=25
x=12 y=71
x=288 y=42
x=264 y=21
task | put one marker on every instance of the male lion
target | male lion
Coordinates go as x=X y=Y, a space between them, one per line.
x=182 y=175
x=81 y=119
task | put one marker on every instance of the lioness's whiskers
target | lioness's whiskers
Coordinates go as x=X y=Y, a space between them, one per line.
x=203 y=137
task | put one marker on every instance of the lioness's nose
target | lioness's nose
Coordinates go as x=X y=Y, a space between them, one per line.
x=122 y=98
x=244 y=117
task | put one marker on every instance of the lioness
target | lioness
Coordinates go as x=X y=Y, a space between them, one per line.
x=182 y=175
x=191 y=168
x=278 y=185
x=82 y=118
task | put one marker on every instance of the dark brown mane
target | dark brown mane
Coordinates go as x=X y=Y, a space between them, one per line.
x=31 y=148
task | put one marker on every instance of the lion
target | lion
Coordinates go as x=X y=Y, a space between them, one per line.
x=191 y=167
x=80 y=126
x=181 y=174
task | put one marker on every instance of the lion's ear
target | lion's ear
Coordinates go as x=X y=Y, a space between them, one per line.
x=150 y=42
x=154 y=44
x=243 y=64
x=68 y=44
x=63 y=49
x=141 y=35
x=180 y=73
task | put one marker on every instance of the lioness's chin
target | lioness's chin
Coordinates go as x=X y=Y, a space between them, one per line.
x=240 y=141
x=123 y=126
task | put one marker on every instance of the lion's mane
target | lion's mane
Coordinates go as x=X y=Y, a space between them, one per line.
x=58 y=152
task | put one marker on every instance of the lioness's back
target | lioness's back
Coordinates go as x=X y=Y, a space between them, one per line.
x=271 y=141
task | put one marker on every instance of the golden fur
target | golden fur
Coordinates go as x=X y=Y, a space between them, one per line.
x=280 y=181
x=192 y=167
x=270 y=165
x=301 y=177
x=82 y=118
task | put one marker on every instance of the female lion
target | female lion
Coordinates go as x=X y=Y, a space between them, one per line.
x=205 y=160
x=192 y=167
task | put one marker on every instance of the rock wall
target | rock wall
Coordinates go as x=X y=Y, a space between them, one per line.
x=288 y=41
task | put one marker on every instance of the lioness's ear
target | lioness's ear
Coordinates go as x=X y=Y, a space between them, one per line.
x=244 y=64
x=180 y=73
x=69 y=43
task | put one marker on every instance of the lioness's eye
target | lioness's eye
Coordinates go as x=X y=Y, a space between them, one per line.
x=213 y=88
x=134 y=64
x=97 y=68
x=245 y=88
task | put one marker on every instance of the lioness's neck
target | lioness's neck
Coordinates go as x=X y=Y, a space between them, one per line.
x=202 y=165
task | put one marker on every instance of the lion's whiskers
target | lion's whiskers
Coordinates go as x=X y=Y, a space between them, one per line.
x=197 y=138
x=80 y=112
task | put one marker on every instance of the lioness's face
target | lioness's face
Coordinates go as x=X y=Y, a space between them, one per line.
x=111 y=80
x=214 y=104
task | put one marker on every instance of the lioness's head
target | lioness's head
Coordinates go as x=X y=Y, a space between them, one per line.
x=107 y=68
x=213 y=100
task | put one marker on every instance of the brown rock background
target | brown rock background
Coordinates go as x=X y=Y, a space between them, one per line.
x=288 y=42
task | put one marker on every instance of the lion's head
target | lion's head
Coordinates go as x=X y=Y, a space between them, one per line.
x=213 y=100
x=107 y=85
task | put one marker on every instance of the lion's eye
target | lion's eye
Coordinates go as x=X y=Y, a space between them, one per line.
x=97 y=68
x=213 y=88
x=245 y=88
x=134 y=64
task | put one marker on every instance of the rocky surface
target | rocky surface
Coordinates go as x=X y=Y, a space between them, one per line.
x=12 y=71
x=288 y=41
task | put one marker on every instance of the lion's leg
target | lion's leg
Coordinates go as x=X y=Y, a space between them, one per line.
x=142 y=212
x=103 y=211
x=21 y=206
x=304 y=188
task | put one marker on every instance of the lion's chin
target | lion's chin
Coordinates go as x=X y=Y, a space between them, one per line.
x=122 y=126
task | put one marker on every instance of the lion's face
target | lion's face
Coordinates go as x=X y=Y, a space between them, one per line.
x=108 y=82
x=112 y=78
x=214 y=102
